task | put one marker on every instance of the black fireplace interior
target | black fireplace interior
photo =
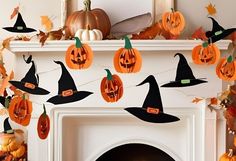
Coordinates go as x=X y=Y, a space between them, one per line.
x=135 y=152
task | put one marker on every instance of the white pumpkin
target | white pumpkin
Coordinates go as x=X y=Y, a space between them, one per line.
x=88 y=35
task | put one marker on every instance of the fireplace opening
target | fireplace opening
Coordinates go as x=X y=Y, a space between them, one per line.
x=135 y=152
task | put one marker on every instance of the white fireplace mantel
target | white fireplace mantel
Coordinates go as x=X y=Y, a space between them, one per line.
x=157 y=57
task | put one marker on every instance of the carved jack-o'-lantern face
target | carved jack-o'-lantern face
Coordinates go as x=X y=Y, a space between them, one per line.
x=209 y=54
x=111 y=87
x=226 y=69
x=127 y=59
x=79 y=56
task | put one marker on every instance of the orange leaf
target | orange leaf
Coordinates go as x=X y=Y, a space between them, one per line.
x=211 y=9
x=213 y=101
x=149 y=32
x=47 y=23
x=6 y=42
x=15 y=12
x=196 y=100
x=199 y=34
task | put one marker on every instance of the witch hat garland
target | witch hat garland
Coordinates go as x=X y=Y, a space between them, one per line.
x=7 y=127
x=152 y=109
x=30 y=82
x=218 y=32
x=19 y=26
x=67 y=91
x=184 y=76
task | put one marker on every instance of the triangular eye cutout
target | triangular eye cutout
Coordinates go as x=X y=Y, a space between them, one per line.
x=152 y=109
x=67 y=91
x=184 y=75
x=30 y=82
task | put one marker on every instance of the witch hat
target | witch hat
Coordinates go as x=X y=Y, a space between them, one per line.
x=19 y=26
x=184 y=76
x=7 y=127
x=218 y=32
x=67 y=91
x=152 y=110
x=30 y=82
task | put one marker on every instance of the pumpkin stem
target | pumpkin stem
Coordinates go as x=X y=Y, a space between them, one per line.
x=109 y=75
x=205 y=44
x=87 y=5
x=24 y=97
x=230 y=154
x=44 y=111
x=230 y=59
x=127 y=43
x=172 y=10
x=78 y=43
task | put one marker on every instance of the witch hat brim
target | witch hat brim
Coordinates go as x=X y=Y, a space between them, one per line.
x=143 y=115
x=153 y=101
x=218 y=32
x=14 y=29
x=75 y=97
x=36 y=90
x=184 y=75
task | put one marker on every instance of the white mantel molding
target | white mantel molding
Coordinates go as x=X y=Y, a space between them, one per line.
x=112 y=45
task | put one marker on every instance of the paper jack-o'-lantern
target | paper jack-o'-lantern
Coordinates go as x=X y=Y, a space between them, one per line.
x=111 y=87
x=205 y=54
x=226 y=69
x=127 y=59
x=79 y=56
x=228 y=156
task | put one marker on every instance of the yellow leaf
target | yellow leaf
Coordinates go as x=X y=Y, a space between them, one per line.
x=6 y=42
x=47 y=23
x=211 y=9
x=196 y=100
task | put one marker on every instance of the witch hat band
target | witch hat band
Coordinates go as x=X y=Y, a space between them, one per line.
x=67 y=91
x=184 y=75
x=152 y=109
x=19 y=26
x=30 y=82
x=7 y=127
x=218 y=32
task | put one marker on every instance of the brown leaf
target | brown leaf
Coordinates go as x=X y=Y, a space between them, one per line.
x=196 y=100
x=15 y=12
x=52 y=35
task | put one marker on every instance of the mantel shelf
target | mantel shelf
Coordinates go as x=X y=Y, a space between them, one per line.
x=112 y=45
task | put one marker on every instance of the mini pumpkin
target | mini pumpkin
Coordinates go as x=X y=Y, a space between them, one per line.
x=43 y=126
x=20 y=110
x=78 y=55
x=95 y=18
x=226 y=69
x=173 y=22
x=205 y=54
x=228 y=156
x=88 y=35
x=127 y=59
x=111 y=87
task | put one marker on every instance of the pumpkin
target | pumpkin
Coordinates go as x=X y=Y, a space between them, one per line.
x=173 y=22
x=43 y=126
x=226 y=69
x=228 y=156
x=20 y=110
x=78 y=55
x=111 y=87
x=96 y=19
x=127 y=59
x=205 y=54
x=88 y=35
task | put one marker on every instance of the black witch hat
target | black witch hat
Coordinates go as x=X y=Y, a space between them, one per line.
x=19 y=26
x=218 y=32
x=152 y=109
x=7 y=127
x=184 y=76
x=30 y=82
x=67 y=91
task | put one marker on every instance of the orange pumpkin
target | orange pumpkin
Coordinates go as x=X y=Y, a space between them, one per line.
x=20 y=110
x=96 y=19
x=79 y=56
x=127 y=59
x=226 y=69
x=173 y=22
x=205 y=54
x=228 y=156
x=111 y=87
